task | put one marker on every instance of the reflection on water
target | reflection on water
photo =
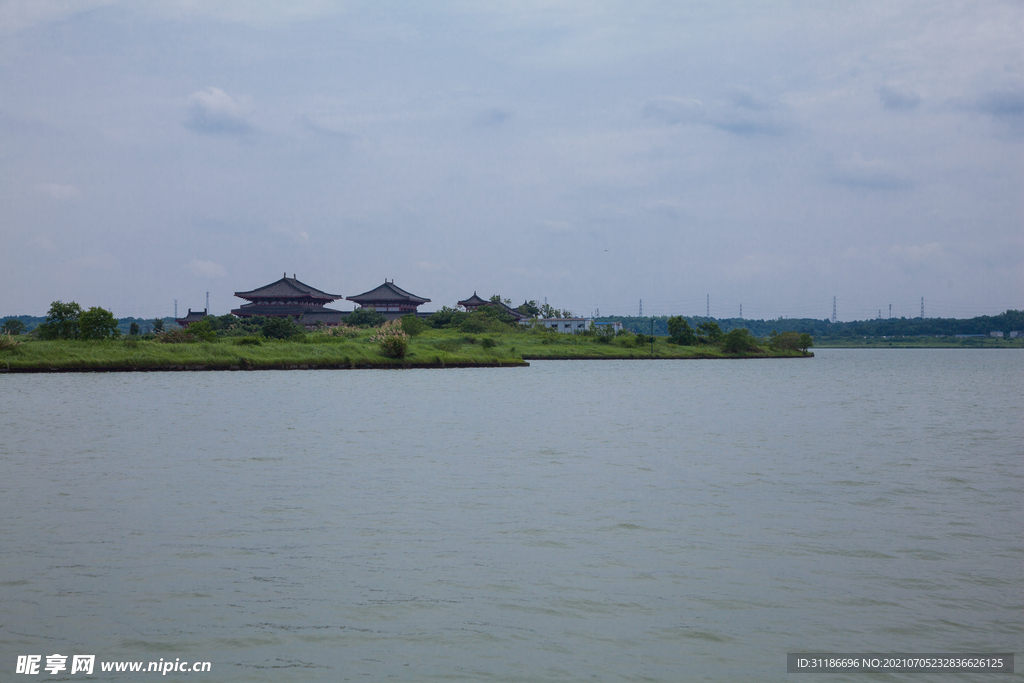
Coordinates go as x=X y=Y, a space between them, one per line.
x=618 y=520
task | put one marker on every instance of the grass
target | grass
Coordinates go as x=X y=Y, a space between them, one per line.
x=432 y=348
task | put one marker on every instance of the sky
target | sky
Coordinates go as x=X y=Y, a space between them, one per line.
x=697 y=156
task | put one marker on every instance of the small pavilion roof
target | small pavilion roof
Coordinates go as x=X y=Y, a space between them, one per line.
x=287 y=287
x=473 y=301
x=387 y=292
x=192 y=316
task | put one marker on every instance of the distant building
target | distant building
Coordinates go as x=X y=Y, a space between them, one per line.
x=392 y=301
x=997 y=335
x=474 y=303
x=565 y=325
x=192 y=317
x=615 y=325
x=289 y=298
x=1014 y=334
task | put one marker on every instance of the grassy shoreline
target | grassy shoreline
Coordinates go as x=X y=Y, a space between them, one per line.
x=431 y=349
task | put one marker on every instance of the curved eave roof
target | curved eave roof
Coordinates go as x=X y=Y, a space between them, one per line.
x=474 y=300
x=287 y=287
x=387 y=292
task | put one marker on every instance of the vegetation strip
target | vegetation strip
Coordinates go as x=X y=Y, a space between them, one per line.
x=73 y=340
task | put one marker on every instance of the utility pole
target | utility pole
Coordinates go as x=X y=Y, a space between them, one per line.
x=175 y=308
x=890 y=311
x=207 y=303
x=922 y=308
x=741 y=311
x=708 y=312
x=641 y=308
x=833 y=310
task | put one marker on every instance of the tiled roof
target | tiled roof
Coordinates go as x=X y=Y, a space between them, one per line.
x=287 y=287
x=247 y=310
x=192 y=316
x=473 y=301
x=387 y=292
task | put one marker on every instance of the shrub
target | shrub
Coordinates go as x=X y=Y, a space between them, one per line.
x=248 y=341
x=739 y=341
x=412 y=325
x=365 y=317
x=177 y=337
x=202 y=329
x=641 y=339
x=8 y=343
x=280 y=328
x=394 y=343
x=488 y=343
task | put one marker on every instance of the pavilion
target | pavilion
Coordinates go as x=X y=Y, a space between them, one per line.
x=391 y=301
x=192 y=317
x=290 y=298
x=475 y=302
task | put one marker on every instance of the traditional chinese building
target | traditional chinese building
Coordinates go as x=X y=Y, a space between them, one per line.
x=475 y=302
x=290 y=298
x=393 y=302
x=192 y=317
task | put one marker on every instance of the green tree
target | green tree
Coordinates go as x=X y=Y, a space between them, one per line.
x=61 y=321
x=133 y=329
x=279 y=328
x=529 y=308
x=739 y=341
x=13 y=326
x=158 y=325
x=366 y=316
x=203 y=329
x=680 y=332
x=97 y=323
x=412 y=325
x=709 y=333
x=805 y=343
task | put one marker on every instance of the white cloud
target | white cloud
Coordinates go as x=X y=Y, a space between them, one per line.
x=207 y=269
x=215 y=112
x=61 y=193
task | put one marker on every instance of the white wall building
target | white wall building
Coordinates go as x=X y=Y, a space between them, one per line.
x=566 y=325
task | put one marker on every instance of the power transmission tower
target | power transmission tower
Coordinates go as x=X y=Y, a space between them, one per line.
x=207 y=303
x=708 y=311
x=890 y=311
x=175 y=308
x=833 y=310
x=922 y=308
x=641 y=308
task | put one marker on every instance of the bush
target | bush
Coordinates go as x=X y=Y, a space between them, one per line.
x=248 y=341
x=739 y=341
x=365 y=317
x=641 y=339
x=412 y=325
x=488 y=343
x=280 y=328
x=177 y=337
x=203 y=330
x=8 y=343
x=394 y=343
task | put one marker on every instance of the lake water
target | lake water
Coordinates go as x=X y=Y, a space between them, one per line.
x=585 y=520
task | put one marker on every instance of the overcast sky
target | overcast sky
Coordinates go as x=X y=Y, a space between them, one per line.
x=769 y=154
